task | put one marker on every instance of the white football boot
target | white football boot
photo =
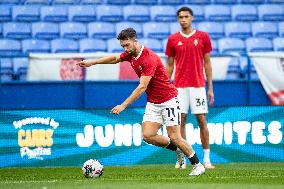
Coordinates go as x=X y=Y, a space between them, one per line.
x=197 y=169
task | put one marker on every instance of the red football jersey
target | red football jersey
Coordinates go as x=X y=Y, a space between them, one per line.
x=188 y=51
x=147 y=63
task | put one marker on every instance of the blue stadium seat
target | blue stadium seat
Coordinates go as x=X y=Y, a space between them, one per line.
x=64 y=46
x=145 y=2
x=5 y=13
x=153 y=44
x=225 y=1
x=10 y=1
x=199 y=1
x=164 y=44
x=281 y=29
x=234 y=70
x=89 y=45
x=45 y=30
x=6 y=69
x=217 y=13
x=252 y=1
x=136 y=13
x=271 y=12
x=118 y=2
x=244 y=13
x=35 y=46
x=278 y=44
x=54 y=13
x=113 y=46
x=172 y=2
x=123 y=25
x=10 y=47
x=229 y=46
x=175 y=27
x=91 y=2
x=198 y=12
x=238 y=29
x=73 y=30
x=160 y=13
x=36 y=2
x=264 y=29
x=101 y=30
x=17 y=30
x=156 y=30
x=26 y=13
x=1 y=30
x=70 y=2
x=20 y=67
x=109 y=13
x=83 y=13
x=254 y=44
x=214 y=29
x=215 y=48
x=275 y=1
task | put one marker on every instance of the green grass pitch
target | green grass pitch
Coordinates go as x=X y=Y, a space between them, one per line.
x=232 y=176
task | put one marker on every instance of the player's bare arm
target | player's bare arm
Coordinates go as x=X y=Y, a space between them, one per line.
x=140 y=89
x=170 y=67
x=112 y=59
x=208 y=72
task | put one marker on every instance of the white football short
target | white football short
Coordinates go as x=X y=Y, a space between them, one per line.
x=192 y=97
x=167 y=113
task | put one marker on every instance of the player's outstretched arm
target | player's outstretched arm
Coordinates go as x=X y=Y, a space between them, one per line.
x=111 y=59
x=140 y=89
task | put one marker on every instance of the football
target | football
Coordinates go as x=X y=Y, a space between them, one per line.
x=92 y=169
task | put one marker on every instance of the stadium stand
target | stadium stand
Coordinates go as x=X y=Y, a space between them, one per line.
x=123 y=25
x=254 y=44
x=101 y=30
x=136 y=13
x=199 y=1
x=35 y=45
x=156 y=30
x=109 y=13
x=10 y=48
x=278 y=44
x=153 y=44
x=73 y=30
x=25 y=13
x=252 y=1
x=231 y=45
x=215 y=48
x=113 y=46
x=1 y=30
x=36 y=2
x=20 y=67
x=5 y=13
x=244 y=13
x=6 y=69
x=281 y=29
x=264 y=29
x=146 y=2
x=45 y=30
x=10 y=1
x=119 y=2
x=198 y=12
x=64 y=46
x=82 y=13
x=238 y=29
x=91 y=2
x=271 y=12
x=54 y=13
x=89 y=45
x=214 y=29
x=172 y=2
x=17 y=30
x=55 y=2
x=217 y=13
x=163 y=13
x=225 y=1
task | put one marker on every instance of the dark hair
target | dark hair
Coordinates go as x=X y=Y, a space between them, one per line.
x=128 y=33
x=185 y=9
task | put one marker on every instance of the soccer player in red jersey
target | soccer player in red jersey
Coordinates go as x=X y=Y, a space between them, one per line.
x=162 y=103
x=190 y=50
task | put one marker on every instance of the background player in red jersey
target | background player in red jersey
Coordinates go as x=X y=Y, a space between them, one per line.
x=190 y=50
x=162 y=106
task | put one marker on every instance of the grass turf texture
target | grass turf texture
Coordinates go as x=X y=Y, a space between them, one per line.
x=233 y=176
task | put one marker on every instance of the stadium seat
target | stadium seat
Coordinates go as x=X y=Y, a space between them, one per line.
x=123 y=25
x=101 y=30
x=54 y=13
x=153 y=44
x=271 y=12
x=238 y=29
x=64 y=46
x=281 y=29
x=118 y=2
x=36 y=2
x=89 y=45
x=161 y=13
x=172 y=2
x=217 y=13
x=156 y=30
x=198 y=12
x=90 y=2
x=20 y=67
x=10 y=47
x=35 y=46
x=136 y=13
x=109 y=13
x=113 y=46
x=278 y=44
x=215 y=48
x=229 y=46
x=1 y=30
x=264 y=29
x=175 y=27
x=244 y=13
x=214 y=29
x=45 y=30
x=234 y=70
x=199 y=1
x=70 y=2
x=17 y=30
x=5 y=13
x=225 y=1
x=254 y=44
x=73 y=30
x=275 y=1
x=10 y=2
x=25 y=13
x=252 y=1
x=82 y=13
x=146 y=2
x=6 y=69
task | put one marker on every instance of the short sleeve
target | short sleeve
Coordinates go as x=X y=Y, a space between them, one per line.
x=149 y=67
x=207 y=44
x=170 y=50
x=124 y=56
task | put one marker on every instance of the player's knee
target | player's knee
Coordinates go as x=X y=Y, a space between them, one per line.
x=147 y=136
